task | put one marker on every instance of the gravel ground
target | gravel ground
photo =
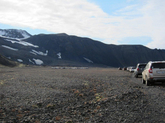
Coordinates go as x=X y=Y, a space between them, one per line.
x=108 y=95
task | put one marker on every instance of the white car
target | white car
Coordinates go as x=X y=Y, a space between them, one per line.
x=128 y=68
x=154 y=72
x=132 y=69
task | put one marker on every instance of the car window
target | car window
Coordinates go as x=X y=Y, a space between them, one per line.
x=142 y=66
x=158 y=65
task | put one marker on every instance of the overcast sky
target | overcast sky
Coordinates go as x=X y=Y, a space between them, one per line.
x=109 y=21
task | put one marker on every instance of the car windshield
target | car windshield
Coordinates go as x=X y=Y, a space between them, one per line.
x=142 y=66
x=158 y=65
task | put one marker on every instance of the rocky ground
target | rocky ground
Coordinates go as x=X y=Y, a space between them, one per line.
x=48 y=95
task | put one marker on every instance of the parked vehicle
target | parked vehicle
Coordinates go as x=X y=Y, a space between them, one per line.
x=128 y=68
x=124 y=68
x=139 y=69
x=132 y=69
x=154 y=72
x=119 y=68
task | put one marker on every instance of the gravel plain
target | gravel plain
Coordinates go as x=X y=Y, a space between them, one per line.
x=89 y=95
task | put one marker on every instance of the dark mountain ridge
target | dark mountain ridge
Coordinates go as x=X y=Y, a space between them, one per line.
x=133 y=54
x=74 y=48
x=63 y=49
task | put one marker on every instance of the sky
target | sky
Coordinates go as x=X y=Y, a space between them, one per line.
x=109 y=21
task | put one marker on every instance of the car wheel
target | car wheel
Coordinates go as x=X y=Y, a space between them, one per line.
x=143 y=81
x=148 y=83
x=136 y=76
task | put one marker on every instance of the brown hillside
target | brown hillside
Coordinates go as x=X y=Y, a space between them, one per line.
x=4 y=61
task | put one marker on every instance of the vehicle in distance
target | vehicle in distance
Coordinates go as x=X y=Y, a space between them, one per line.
x=139 y=69
x=154 y=72
x=128 y=68
x=132 y=69
x=124 y=68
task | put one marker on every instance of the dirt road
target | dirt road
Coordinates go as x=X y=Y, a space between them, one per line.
x=48 y=95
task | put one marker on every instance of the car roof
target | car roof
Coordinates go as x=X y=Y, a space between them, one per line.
x=142 y=63
x=156 y=61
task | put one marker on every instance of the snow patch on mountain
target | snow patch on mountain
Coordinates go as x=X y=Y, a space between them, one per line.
x=22 y=43
x=39 y=52
x=38 y=61
x=31 y=61
x=59 y=55
x=2 y=32
x=9 y=47
x=19 y=60
x=88 y=60
x=33 y=53
x=24 y=34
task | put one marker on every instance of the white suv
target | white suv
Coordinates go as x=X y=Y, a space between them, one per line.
x=154 y=72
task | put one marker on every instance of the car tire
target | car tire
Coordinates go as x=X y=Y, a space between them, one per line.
x=143 y=81
x=148 y=83
x=136 y=76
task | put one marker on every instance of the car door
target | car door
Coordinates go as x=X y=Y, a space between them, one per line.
x=145 y=72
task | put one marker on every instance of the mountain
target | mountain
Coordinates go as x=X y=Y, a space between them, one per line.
x=14 y=33
x=63 y=49
x=130 y=55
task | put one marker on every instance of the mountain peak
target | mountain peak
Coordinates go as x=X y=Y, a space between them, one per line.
x=14 y=33
x=61 y=34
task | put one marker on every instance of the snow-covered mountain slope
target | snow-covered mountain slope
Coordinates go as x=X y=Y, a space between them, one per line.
x=22 y=51
x=14 y=33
